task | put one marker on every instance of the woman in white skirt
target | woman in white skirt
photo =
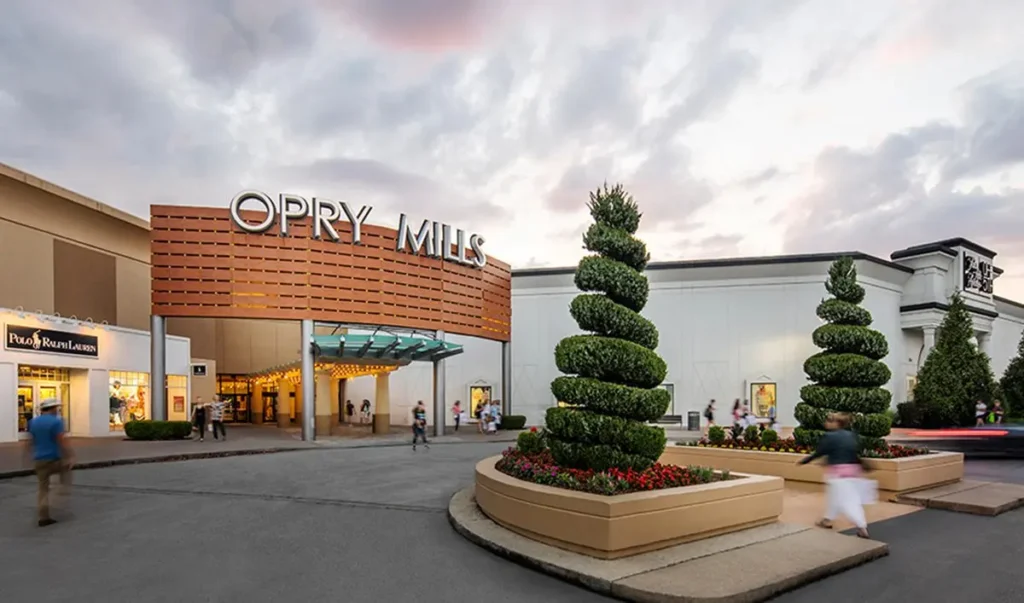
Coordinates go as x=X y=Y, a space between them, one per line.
x=844 y=481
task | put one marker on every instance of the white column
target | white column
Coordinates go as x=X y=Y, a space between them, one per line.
x=506 y=377
x=439 y=392
x=9 y=402
x=983 y=341
x=308 y=382
x=929 y=342
x=99 y=403
x=158 y=368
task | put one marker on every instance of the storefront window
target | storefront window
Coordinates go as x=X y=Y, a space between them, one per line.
x=129 y=394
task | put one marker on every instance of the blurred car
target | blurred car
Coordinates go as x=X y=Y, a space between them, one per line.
x=985 y=441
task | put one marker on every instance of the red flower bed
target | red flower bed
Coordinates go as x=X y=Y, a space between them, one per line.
x=892 y=451
x=540 y=468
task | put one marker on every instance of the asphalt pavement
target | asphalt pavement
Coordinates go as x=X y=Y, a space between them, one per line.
x=370 y=525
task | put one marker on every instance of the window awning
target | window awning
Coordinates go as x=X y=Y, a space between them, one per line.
x=385 y=346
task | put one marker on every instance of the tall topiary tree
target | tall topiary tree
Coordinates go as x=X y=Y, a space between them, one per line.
x=1012 y=382
x=848 y=374
x=612 y=373
x=955 y=375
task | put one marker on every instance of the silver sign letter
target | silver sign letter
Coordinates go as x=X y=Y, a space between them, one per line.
x=292 y=207
x=423 y=240
x=236 y=211
x=325 y=213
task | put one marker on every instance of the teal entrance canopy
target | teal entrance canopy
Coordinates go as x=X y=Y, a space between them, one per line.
x=385 y=346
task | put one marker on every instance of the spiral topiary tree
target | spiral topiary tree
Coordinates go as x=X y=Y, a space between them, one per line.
x=848 y=375
x=612 y=373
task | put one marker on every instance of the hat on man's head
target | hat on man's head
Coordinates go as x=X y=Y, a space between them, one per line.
x=49 y=403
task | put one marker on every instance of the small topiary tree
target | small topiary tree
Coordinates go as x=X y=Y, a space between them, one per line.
x=847 y=375
x=612 y=373
x=1012 y=383
x=955 y=375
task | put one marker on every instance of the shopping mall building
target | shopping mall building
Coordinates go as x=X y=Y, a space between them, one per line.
x=288 y=315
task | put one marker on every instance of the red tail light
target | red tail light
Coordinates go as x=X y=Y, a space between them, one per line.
x=960 y=433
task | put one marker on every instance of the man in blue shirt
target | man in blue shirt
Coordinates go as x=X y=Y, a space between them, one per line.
x=50 y=454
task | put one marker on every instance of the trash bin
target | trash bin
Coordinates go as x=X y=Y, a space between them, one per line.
x=693 y=421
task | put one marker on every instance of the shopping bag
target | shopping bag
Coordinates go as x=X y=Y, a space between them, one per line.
x=868 y=489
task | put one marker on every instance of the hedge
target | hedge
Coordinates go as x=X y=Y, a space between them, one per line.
x=847 y=375
x=611 y=373
x=846 y=370
x=850 y=339
x=513 y=422
x=599 y=314
x=847 y=399
x=624 y=435
x=615 y=279
x=609 y=242
x=158 y=430
x=609 y=359
x=611 y=398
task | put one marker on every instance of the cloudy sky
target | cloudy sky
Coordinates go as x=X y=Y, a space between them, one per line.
x=743 y=127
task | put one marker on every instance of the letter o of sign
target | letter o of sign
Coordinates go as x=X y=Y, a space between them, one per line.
x=261 y=198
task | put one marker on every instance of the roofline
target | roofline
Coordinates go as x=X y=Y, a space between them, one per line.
x=52 y=189
x=804 y=258
x=1008 y=302
x=945 y=247
x=945 y=308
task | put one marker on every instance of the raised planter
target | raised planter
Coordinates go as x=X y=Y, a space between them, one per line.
x=894 y=476
x=609 y=527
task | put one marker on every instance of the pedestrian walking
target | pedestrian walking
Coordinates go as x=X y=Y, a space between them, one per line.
x=845 y=486
x=199 y=417
x=997 y=412
x=217 y=418
x=364 y=412
x=457 y=413
x=737 y=412
x=350 y=411
x=709 y=413
x=50 y=455
x=419 y=425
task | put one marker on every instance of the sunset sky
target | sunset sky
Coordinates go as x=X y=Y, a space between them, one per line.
x=741 y=127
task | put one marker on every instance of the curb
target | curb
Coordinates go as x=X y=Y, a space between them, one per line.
x=614 y=588
x=167 y=458
x=192 y=456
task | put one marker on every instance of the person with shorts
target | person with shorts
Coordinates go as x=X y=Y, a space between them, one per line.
x=364 y=412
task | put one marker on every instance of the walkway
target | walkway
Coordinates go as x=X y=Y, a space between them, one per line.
x=370 y=523
x=243 y=439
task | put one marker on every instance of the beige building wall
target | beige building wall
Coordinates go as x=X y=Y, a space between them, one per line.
x=78 y=257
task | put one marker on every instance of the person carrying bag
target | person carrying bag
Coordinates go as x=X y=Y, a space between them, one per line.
x=846 y=489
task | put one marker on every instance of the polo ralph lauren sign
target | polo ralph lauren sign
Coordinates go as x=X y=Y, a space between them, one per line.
x=32 y=339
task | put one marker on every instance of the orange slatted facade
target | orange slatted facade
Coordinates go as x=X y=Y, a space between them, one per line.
x=204 y=266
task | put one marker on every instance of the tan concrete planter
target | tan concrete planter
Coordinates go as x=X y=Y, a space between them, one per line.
x=610 y=527
x=894 y=476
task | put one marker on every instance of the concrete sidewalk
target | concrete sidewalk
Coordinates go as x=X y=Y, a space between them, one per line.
x=93 y=453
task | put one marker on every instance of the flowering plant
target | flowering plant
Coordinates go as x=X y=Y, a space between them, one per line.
x=891 y=451
x=540 y=468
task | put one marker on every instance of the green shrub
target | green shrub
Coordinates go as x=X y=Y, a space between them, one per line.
x=769 y=437
x=611 y=398
x=848 y=375
x=598 y=314
x=530 y=442
x=158 y=430
x=736 y=432
x=716 y=434
x=955 y=375
x=907 y=415
x=1012 y=383
x=612 y=373
x=513 y=422
x=752 y=434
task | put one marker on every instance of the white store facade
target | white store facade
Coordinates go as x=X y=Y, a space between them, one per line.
x=99 y=372
x=730 y=328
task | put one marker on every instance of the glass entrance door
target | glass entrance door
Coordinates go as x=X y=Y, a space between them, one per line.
x=29 y=397
x=26 y=406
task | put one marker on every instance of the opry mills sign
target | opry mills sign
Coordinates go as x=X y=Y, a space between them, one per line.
x=432 y=239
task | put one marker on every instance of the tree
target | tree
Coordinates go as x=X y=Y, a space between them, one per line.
x=611 y=373
x=1012 y=382
x=847 y=375
x=955 y=375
